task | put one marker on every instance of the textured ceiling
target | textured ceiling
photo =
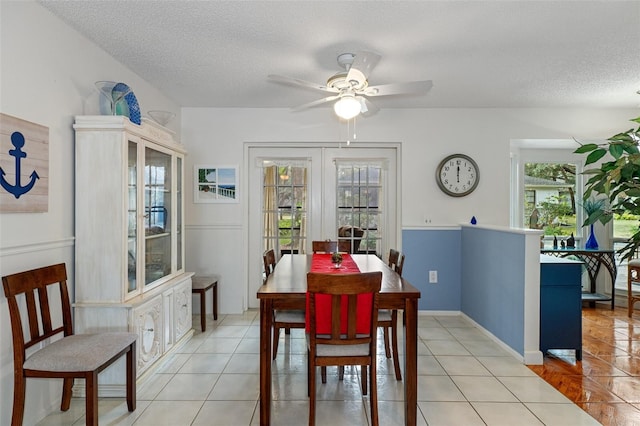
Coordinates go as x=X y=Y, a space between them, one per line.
x=478 y=53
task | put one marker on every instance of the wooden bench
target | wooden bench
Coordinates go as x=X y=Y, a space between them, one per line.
x=200 y=285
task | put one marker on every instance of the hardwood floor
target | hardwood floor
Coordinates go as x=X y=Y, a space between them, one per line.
x=606 y=383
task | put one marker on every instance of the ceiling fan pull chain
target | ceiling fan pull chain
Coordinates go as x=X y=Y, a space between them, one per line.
x=354 y=128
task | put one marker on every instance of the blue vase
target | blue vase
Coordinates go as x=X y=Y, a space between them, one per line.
x=592 y=243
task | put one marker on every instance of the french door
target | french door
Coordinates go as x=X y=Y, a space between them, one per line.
x=300 y=194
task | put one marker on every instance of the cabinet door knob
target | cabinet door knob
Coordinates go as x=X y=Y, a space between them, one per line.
x=150 y=330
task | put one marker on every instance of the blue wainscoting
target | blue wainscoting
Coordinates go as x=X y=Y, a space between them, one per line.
x=493 y=282
x=490 y=274
x=433 y=250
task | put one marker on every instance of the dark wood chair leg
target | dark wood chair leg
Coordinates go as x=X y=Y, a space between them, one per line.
x=394 y=344
x=276 y=338
x=373 y=399
x=363 y=373
x=19 y=395
x=131 y=377
x=387 y=350
x=312 y=394
x=91 y=397
x=67 y=386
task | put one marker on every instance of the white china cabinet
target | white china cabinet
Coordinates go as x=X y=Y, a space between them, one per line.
x=129 y=272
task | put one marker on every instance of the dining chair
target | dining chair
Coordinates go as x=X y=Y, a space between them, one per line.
x=73 y=356
x=282 y=318
x=329 y=246
x=341 y=329
x=388 y=318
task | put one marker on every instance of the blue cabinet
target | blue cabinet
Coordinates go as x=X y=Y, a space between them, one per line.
x=560 y=304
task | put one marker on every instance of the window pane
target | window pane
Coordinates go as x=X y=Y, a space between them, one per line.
x=284 y=209
x=358 y=196
x=550 y=202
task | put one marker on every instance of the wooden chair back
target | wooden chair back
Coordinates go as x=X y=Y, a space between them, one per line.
x=329 y=246
x=344 y=291
x=396 y=261
x=344 y=342
x=33 y=284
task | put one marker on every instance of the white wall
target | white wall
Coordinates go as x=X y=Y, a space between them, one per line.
x=47 y=73
x=216 y=136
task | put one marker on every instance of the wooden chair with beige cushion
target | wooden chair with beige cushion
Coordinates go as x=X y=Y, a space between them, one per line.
x=72 y=356
x=633 y=277
x=338 y=338
x=388 y=318
x=282 y=317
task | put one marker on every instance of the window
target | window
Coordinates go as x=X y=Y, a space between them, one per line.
x=550 y=198
x=359 y=200
x=285 y=208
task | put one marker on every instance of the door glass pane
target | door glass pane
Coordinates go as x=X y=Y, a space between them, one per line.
x=132 y=215
x=157 y=204
x=550 y=199
x=285 y=209
x=359 y=201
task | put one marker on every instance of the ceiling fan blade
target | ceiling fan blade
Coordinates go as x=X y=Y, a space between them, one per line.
x=407 y=88
x=297 y=82
x=316 y=103
x=363 y=63
x=367 y=108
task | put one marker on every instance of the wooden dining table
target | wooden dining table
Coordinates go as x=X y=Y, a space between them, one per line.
x=286 y=288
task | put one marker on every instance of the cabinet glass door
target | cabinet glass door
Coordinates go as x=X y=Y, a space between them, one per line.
x=179 y=213
x=157 y=215
x=132 y=216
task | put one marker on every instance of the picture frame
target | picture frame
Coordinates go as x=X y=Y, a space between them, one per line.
x=215 y=184
x=24 y=163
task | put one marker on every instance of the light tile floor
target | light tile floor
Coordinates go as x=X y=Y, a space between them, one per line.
x=464 y=378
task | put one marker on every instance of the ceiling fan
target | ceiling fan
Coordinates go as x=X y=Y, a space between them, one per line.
x=351 y=88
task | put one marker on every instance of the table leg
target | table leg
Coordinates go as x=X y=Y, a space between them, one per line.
x=203 y=310
x=266 y=317
x=411 y=362
x=215 y=301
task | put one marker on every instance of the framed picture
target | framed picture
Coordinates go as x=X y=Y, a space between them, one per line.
x=24 y=166
x=216 y=184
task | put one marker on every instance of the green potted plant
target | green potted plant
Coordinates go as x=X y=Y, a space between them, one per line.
x=336 y=258
x=618 y=180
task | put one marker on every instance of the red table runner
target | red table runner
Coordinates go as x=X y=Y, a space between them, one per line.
x=321 y=263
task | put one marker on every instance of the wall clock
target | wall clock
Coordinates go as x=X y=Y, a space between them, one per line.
x=457 y=175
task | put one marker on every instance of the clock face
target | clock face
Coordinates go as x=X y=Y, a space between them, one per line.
x=457 y=175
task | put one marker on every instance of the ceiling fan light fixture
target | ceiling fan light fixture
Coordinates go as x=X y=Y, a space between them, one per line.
x=347 y=107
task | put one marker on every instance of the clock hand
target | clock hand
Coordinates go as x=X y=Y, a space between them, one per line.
x=458 y=174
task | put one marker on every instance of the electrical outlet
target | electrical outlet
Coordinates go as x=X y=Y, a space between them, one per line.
x=433 y=277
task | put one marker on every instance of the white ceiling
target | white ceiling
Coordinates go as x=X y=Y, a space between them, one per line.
x=478 y=53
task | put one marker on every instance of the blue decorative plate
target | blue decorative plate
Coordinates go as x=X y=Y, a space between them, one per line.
x=130 y=107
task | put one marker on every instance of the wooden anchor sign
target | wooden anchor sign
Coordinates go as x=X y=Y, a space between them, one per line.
x=24 y=166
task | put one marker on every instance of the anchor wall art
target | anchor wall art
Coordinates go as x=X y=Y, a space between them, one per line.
x=24 y=166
